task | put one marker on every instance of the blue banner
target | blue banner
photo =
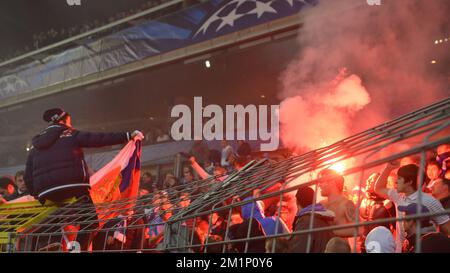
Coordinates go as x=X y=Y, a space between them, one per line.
x=200 y=23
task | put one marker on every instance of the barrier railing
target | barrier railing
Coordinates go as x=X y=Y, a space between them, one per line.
x=254 y=209
x=17 y=217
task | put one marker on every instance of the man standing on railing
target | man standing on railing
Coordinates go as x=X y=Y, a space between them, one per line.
x=407 y=193
x=55 y=168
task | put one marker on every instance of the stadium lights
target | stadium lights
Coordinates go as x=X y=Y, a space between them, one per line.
x=440 y=41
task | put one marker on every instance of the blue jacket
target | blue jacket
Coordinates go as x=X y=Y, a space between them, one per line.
x=268 y=223
x=56 y=161
x=322 y=218
x=317 y=208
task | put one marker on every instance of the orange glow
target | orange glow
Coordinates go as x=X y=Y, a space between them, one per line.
x=338 y=167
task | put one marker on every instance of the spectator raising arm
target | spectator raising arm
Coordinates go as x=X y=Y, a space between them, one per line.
x=380 y=185
x=200 y=171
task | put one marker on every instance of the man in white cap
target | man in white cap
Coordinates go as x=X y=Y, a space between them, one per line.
x=380 y=240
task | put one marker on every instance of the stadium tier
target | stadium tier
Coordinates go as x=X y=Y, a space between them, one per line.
x=249 y=210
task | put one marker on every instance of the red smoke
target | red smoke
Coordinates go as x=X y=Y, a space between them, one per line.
x=387 y=50
x=322 y=117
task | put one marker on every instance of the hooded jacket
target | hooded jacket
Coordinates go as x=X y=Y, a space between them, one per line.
x=380 y=240
x=56 y=160
x=268 y=223
x=319 y=240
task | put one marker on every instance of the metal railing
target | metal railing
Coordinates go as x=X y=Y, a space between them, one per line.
x=208 y=215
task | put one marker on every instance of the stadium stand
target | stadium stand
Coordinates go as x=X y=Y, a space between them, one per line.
x=213 y=218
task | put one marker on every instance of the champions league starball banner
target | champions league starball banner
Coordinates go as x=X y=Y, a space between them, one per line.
x=199 y=23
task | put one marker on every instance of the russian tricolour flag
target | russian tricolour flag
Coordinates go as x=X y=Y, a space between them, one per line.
x=115 y=186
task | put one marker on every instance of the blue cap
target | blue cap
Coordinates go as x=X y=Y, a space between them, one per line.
x=411 y=209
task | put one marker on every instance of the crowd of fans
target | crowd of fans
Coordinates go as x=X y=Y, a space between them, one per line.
x=391 y=193
x=53 y=35
x=203 y=163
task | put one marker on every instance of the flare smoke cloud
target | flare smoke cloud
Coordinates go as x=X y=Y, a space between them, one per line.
x=358 y=66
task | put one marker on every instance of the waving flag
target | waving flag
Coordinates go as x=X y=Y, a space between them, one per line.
x=119 y=179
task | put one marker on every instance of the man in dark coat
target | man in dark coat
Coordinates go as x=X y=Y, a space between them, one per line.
x=56 y=169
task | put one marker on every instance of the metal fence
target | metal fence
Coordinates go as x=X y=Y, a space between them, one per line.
x=188 y=218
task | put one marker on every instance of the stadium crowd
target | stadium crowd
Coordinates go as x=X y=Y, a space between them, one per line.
x=390 y=193
x=53 y=35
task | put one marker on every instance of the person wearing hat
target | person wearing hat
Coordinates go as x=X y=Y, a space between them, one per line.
x=55 y=167
x=411 y=225
x=407 y=192
x=379 y=240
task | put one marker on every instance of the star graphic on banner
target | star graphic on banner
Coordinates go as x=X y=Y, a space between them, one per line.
x=230 y=19
x=262 y=8
x=9 y=88
x=216 y=17
x=12 y=84
x=291 y=2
